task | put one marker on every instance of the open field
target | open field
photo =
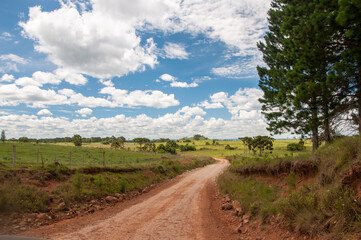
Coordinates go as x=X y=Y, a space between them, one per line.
x=31 y=154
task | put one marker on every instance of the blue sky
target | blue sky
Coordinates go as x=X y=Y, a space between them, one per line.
x=161 y=68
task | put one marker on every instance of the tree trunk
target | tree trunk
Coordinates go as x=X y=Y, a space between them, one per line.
x=326 y=119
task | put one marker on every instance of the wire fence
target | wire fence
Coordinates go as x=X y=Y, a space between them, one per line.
x=72 y=157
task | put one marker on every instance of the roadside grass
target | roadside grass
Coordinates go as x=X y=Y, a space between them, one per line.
x=73 y=186
x=15 y=197
x=329 y=205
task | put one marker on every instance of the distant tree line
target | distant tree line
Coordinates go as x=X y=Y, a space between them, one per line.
x=312 y=78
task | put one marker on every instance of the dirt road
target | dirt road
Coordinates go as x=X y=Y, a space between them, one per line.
x=176 y=212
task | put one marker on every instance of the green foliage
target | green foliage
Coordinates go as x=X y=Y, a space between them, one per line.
x=255 y=196
x=23 y=139
x=294 y=147
x=117 y=143
x=187 y=147
x=15 y=197
x=77 y=140
x=228 y=147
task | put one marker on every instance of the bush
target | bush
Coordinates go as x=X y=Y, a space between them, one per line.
x=228 y=147
x=187 y=147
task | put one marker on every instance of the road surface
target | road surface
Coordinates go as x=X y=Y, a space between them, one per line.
x=176 y=212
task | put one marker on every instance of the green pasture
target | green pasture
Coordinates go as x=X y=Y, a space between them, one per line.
x=280 y=148
x=32 y=154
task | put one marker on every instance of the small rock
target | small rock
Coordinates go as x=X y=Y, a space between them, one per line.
x=227 y=206
x=239 y=212
x=227 y=199
x=118 y=195
x=91 y=210
x=93 y=202
x=16 y=227
x=61 y=207
x=23 y=229
x=110 y=199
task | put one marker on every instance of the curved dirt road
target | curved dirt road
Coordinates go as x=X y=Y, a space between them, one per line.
x=174 y=213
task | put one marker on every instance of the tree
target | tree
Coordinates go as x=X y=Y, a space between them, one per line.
x=77 y=140
x=117 y=144
x=3 y=137
x=23 y=139
x=299 y=50
x=141 y=141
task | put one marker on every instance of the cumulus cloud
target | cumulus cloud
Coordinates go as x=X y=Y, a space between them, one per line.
x=7 y=78
x=184 y=122
x=44 y=112
x=84 y=112
x=27 y=91
x=167 y=77
x=100 y=38
x=175 y=51
x=242 y=105
x=6 y=36
x=183 y=84
x=148 y=98
x=89 y=42
x=208 y=105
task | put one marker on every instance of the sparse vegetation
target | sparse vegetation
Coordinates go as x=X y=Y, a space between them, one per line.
x=327 y=204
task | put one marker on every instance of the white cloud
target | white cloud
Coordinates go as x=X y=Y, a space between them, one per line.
x=33 y=96
x=84 y=112
x=90 y=42
x=175 y=51
x=13 y=58
x=183 y=84
x=245 y=68
x=107 y=83
x=184 y=122
x=46 y=78
x=243 y=105
x=7 y=78
x=167 y=77
x=156 y=99
x=26 y=81
x=71 y=77
x=100 y=38
x=208 y=105
x=44 y=112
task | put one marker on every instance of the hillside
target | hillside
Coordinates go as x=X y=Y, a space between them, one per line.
x=316 y=195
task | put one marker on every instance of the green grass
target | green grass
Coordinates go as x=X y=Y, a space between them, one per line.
x=27 y=155
x=323 y=206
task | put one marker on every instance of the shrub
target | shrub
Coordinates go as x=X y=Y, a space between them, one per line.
x=228 y=147
x=187 y=147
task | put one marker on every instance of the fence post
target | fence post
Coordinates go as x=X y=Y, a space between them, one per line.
x=70 y=161
x=14 y=155
x=103 y=158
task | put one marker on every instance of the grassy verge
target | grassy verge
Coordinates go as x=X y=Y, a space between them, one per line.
x=328 y=204
x=23 y=189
